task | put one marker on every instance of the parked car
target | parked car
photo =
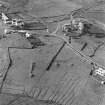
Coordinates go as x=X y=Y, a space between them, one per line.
x=17 y=22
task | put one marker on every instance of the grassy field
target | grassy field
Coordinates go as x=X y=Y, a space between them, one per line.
x=23 y=76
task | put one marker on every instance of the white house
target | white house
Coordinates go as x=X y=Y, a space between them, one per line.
x=99 y=73
x=4 y=17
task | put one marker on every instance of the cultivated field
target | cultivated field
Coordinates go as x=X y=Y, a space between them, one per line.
x=27 y=76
